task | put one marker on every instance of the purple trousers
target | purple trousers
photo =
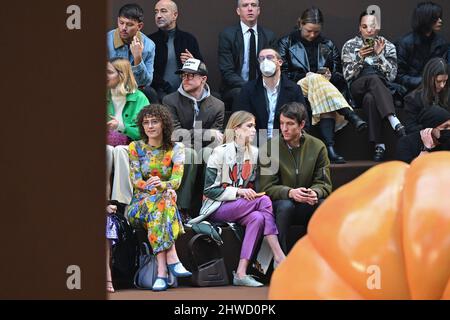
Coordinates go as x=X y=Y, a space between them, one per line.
x=256 y=216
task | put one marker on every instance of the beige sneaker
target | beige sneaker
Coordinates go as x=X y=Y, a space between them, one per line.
x=247 y=281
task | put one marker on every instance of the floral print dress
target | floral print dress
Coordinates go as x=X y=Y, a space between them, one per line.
x=152 y=207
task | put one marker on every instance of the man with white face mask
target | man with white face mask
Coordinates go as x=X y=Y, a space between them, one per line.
x=264 y=96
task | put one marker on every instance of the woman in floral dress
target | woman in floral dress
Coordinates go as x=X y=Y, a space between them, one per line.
x=156 y=170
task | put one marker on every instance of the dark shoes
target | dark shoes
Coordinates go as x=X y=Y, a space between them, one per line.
x=379 y=154
x=400 y=130
x=333 y=156
x=359 y=124
x=353 y=118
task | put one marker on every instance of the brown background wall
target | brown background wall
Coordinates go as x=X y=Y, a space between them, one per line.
x=52 y=150
x=206 y=18
x=52 y=142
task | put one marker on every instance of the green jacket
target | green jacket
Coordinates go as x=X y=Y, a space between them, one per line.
x=135 y=102
x=307 y=166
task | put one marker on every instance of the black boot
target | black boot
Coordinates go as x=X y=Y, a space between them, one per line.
x=333 y=156
x=351 y=116
x=326 y=127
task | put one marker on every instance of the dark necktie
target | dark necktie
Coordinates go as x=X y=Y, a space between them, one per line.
x=252 y=56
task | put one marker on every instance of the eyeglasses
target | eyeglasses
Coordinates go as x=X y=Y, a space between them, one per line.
x=147 y=123
x=270 y=57
x=188 y=76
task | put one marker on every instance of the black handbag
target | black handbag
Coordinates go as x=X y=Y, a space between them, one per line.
x=124 y=253
x=208 y=266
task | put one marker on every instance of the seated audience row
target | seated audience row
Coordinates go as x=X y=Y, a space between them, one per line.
x=293 y=179
x=159 y=176
x=155 y=57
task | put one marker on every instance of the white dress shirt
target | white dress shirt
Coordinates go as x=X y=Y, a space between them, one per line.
x=272 y=97
x=246 y=33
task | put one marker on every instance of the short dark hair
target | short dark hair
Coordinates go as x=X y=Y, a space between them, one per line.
x=294 y=110
x=365 y=13
x=161 y=113
x=132 y=11
x=424 y=16
x=435 y=67
x=271 y=48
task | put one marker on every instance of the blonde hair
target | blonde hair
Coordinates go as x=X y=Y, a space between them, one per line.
x=127 y=82
x=237 y=119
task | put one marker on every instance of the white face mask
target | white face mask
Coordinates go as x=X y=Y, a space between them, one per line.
x=268 y=68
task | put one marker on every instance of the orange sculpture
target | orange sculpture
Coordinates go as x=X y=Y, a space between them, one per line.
x=385 y=235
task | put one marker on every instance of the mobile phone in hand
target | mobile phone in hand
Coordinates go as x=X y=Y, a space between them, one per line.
x=370 y=42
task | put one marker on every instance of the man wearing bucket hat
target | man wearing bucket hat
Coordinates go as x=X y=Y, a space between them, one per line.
x=198 y=119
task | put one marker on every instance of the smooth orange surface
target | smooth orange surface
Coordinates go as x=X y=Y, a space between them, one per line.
x=385 y=235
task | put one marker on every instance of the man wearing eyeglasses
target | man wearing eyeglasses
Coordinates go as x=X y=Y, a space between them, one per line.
x=264 y=96
x=198 y=119
x=238 y=47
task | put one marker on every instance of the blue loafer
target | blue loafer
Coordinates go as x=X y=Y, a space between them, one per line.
x=178 y=270
x=160 y=284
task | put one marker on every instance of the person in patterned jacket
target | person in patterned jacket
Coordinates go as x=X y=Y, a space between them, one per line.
x=369 y=65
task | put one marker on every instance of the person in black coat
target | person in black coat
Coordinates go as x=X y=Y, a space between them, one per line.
x=173 y=48
x=433 y=91
x=306 y=50
x=237 y=63
x=264 y=96
x=434 y=137
x=305 y=54
x=427 y=115
x=416 y=48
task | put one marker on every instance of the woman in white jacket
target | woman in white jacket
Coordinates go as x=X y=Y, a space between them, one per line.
x=230 y=197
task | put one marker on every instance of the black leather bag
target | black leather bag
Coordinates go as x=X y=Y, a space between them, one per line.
x=208 y=266
x=124 y=254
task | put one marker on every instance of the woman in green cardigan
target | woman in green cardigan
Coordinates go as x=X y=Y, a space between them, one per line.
x=125 y=102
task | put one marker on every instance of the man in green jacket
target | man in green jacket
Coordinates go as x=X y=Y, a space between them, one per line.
x=297 y=179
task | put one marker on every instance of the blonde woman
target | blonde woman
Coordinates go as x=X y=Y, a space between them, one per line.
x=124 y=103
x=230 y=197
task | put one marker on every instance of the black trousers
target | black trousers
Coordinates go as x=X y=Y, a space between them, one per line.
x=231 y=99
x=151 y=94
x=376 y=99
x=288 y=213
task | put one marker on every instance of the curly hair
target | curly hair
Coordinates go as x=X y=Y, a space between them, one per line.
x=161 y=113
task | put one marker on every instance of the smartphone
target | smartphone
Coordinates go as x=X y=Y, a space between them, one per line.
x=370 y=42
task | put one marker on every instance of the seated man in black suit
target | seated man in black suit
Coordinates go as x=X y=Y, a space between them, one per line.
x=238 y=47
x=173 y=48
x=264 y=96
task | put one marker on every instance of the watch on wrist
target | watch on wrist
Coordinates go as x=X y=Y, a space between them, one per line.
x=425 y=148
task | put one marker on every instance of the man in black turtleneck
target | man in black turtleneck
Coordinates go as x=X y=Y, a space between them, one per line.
x=415 y=49
x=173 y=48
